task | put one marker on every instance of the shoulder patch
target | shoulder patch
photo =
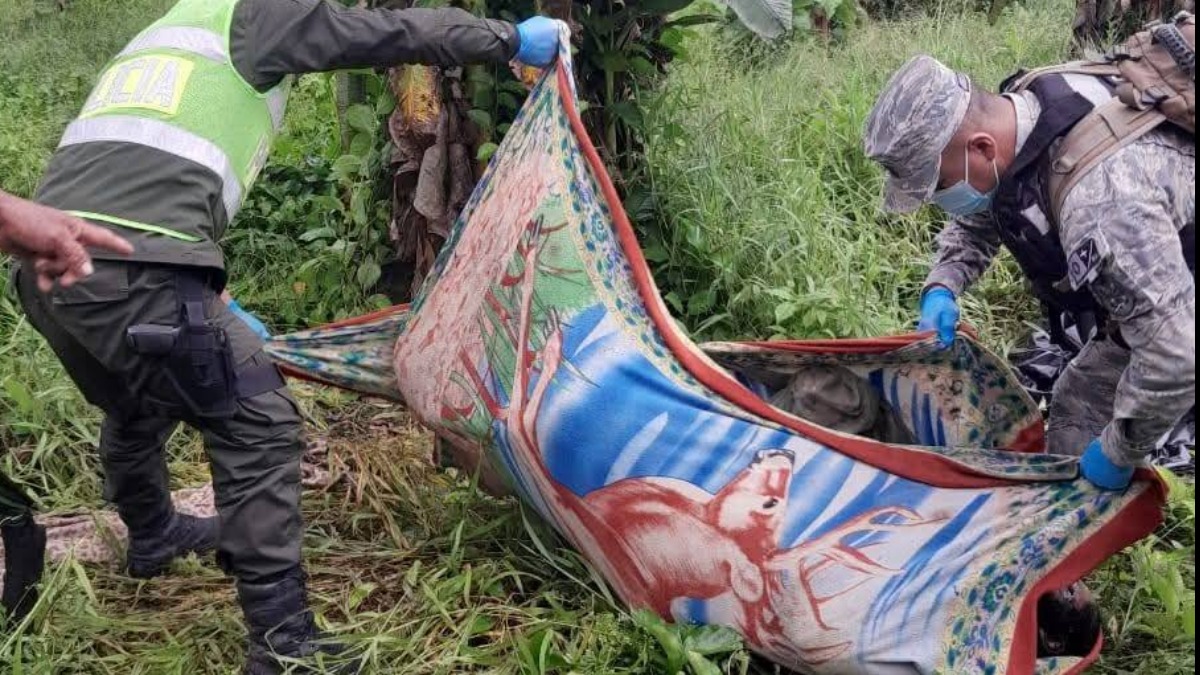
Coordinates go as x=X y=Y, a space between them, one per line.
x=1084 y=264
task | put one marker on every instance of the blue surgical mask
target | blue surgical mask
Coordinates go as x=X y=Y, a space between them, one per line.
x=962 y=199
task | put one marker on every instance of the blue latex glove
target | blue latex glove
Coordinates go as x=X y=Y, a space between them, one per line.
x=250 y=320
x=1101 y=472
x=939 y=312
x=538 y=38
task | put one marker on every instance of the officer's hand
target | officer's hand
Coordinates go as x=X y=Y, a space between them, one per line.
x=939 y=312
x=52 y=240
x=1101 y=471
x=538 y=38
x=249 y=319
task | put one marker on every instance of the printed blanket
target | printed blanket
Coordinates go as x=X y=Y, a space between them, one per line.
x=540 y=343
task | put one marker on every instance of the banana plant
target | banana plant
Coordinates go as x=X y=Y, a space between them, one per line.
x=448 y=121
x=767 y=19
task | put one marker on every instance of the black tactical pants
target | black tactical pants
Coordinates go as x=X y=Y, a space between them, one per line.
x=254 y=452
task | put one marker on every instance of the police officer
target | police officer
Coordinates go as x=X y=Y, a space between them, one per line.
x=164 y=151
x=1118 y=250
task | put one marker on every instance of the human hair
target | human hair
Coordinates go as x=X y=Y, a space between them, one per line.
x=1066 y=628
x=982 y=111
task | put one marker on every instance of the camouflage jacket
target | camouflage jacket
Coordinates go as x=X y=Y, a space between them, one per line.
x=1123 y=221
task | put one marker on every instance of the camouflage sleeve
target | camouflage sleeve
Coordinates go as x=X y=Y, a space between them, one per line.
x=965 y=249
x=1121 y=229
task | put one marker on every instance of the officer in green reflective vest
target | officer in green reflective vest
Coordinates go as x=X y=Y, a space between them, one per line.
x=164 y=151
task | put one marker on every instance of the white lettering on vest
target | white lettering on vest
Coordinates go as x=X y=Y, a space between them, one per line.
x=149 y=82
x=162 y=93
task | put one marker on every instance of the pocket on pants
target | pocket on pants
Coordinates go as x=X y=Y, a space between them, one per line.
x=109 y=283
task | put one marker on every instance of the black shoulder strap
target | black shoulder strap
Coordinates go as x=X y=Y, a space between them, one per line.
x=1062 y=108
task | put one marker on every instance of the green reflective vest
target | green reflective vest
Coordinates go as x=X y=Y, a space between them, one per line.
x=174 y=88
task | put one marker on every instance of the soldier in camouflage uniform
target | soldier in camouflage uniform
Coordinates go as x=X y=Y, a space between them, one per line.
x=1124 y=247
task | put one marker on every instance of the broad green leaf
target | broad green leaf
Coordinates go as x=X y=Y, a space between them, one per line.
x=656 y=253
x=765 y=18
x=319 y=233
x=667 y=638
x=700 y=665
x=368 y=273
x=711 y=640
x=486 y=151
x=479 y=76
x=830 y=6
x=629 y=113
x=784 y=311
x=481 y=118
x=358 y=207
x=483 y=98
x=385 y=105
x=693 y=20
x=673 y=300
x=642 y=67
x=702 y=302
x=19 y=394
x=360 y=143
x=509 y=102
x=346 y=166
x=614 y=62
x=361 y=118
x=847 y=13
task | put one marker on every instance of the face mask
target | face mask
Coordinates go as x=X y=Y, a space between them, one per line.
x=962 y=199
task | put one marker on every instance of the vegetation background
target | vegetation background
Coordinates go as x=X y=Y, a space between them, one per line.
x=741 y=163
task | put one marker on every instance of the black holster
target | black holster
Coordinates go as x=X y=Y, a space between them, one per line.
x=197 y=358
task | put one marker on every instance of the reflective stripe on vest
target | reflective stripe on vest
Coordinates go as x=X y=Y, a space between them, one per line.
x=209 y=45
x=134 y=225
x=197 y=41
x=174 y=88
x=160 y=136
x=277 y=100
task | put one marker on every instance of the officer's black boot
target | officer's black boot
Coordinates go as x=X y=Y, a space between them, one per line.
x=151 y=555
x=281 y=625
x=24 y=556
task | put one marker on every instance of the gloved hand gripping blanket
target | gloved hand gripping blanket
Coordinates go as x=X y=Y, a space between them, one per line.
x=540 y=342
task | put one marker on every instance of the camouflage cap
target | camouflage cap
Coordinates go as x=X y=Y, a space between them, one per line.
x=914 y=118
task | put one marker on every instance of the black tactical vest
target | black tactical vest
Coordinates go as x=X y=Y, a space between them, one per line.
x=1021 y=206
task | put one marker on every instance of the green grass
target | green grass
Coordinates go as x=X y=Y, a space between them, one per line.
x=771 y=224
x=754 y=161
x=50 y=60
